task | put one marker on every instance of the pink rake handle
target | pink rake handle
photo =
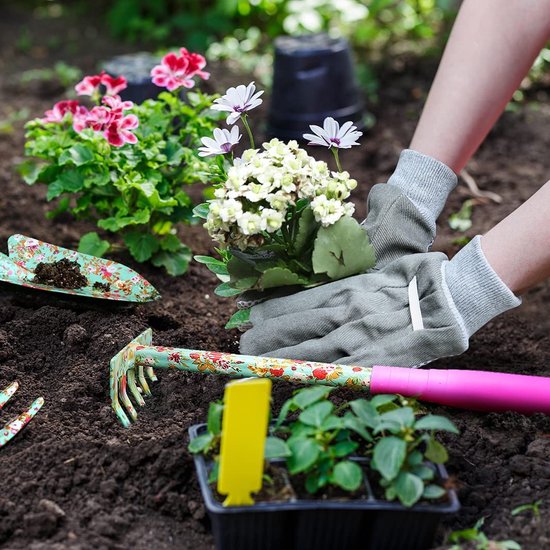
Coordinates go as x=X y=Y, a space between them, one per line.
x=476 y=390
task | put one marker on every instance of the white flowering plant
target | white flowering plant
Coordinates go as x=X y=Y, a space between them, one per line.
x=280 y=217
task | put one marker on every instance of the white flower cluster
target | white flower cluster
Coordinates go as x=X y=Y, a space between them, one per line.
x=263 y=186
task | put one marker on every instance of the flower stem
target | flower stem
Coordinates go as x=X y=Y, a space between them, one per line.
x=247 y=126
x=336 y=158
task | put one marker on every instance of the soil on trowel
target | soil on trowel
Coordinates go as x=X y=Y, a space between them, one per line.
x=61 y=274
x=104 y=287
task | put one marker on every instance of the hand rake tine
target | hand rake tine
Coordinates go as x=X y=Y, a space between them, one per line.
x=151 y=374
x=125 y=399
x=142 y=381
x=11 y=429
x=131 y=374
x=6 y=393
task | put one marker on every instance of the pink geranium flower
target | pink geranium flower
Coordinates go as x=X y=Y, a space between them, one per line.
x=175 y=71
x=116 y=104
x=118 y=132
x=89 y=85
x=80 y=117
x=114 y=85
x=60 y=110
x=98 y=118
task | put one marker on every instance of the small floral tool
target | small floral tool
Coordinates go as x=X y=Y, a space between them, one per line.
x=477 y=390
x=11 y=429
x=105 y=279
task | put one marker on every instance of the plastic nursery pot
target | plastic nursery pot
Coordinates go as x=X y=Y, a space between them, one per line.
x=136 y=68
x=354 y=524
x=313 y=78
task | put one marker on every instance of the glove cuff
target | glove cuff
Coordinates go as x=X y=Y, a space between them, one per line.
x=425 y=181
x=476 y=290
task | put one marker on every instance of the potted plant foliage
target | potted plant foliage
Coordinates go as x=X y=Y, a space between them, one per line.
x=125 y=165
x=357 y=474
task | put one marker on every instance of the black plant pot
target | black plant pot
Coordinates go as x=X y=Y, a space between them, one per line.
x=313 y=78
x=136 y=68
x=322 y=524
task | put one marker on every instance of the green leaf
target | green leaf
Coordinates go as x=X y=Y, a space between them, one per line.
x=331 y=422
x=283 y=413
x=276 y=448
x=353 y=423
x=307 y=226
x=382 y=399
x=200 y=443
x=280 y=276
x=141 y=245
x=213 y=264
x=366 y=412
x=396 y=420
x=214 y=419
x=238 y=318
x=389 y=455
x=171 y=243
x=306 y=397
x=69 y=181
x=316 y=414
x=462 y=220
x=436 y=452
x=348 y=475
x=29 y=171
x=226 y=291
x=344 y=448
x=175 y=263
x=201 y=210
x=433 y=491
x=435 y=422
x=242 y=274
x=78 y=154
x=342 y=249
x=423 y=472
x=409 y=488
x=304 y=454
x=92 y=244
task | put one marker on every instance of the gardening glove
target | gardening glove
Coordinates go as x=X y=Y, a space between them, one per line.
x=401 y=214
x=416 y=309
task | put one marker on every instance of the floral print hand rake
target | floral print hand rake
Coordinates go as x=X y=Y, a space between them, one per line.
x=11 y=429
x=477 y=390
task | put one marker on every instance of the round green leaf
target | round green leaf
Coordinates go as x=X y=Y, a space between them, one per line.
x=389 y=455
x=436 y=452
x=409 y=488
x=433 y=491
x=276 y=448
x=238 y=318
x=304 y=454
x=306 y=397
x=435 y=422
x=200 y=443
x=90 y=243
x=348 y=475
x=316 y=414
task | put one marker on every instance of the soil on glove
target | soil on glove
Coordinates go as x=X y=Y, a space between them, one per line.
x=61 y=274
x=76 y=479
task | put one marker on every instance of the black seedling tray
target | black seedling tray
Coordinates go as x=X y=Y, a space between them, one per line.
x=355 y=524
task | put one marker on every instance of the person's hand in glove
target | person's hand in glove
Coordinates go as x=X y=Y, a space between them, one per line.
x=414 y=307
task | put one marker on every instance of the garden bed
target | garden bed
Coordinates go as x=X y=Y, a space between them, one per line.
x=136 y=488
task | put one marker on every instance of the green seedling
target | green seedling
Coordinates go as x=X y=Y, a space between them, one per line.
x=65 y=74
x=533 y=507
x=480 y=539
x=404 y=445
x=462 y=220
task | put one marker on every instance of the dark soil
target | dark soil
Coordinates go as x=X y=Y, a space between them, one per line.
x=61 y=274
x=76 y=479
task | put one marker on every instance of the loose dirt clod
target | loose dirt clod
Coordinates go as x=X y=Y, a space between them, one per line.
x=61 y=274
x=101 y=286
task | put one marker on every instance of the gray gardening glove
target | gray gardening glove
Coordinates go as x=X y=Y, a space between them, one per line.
x=414 y=310
x=401 y=214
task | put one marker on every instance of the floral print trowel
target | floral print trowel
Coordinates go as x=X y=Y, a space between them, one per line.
x=11 y=429
x=31 y=263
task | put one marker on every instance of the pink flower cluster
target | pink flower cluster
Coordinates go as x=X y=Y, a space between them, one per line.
x=175 y=70
x=107 y=118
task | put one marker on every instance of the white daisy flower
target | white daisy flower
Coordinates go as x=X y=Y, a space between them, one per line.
x=237 y=101
x=331 y=135
x=224 y=141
